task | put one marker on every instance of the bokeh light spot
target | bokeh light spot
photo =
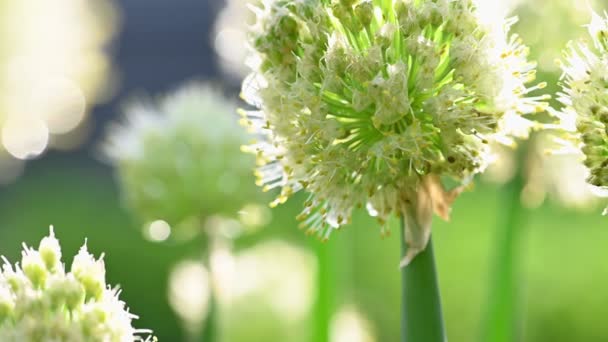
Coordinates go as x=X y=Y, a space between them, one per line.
x=158 y=231
x=25 y=137
x=226 y=47
x=60 y=103
x=349 y=325
x=189 y=291
x=255 y=216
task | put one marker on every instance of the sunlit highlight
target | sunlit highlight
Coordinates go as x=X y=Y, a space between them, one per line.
x=158 y=231
x=189 y=292
x=53 y=67
x=550 y=38
x=231 y=36
x=255 y=216
x=349 y=325
x=25 y=137
x=273 y=272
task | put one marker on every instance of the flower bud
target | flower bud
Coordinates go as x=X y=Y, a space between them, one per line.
x=66 y=290
x=50 y=251
x=7 y=304
x=365 y=12
x=34 y=268
x=90 y=273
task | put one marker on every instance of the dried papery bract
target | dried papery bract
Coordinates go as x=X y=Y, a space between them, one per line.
x=585 y=99
x=371 y=103
x=41 y=301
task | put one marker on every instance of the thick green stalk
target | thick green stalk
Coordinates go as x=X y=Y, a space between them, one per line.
x=501 y=324
x=322 y=307
x=421 y=319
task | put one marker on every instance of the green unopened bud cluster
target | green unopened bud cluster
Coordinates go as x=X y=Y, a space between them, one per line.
x=40 y=301
x=361 y=100
x=585 y=96
x=179 y=159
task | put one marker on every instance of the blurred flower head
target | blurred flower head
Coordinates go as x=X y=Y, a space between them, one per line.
x=370 y=103
x=53 y=68
x=551 y=168
x=178 y=160
x=585 y=99
x=547 y=41
x=559 y=177
x=40 y=301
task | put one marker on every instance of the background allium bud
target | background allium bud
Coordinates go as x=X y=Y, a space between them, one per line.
x=369 y=103
x=179 y=160
x=40 y=301
x=585 y=96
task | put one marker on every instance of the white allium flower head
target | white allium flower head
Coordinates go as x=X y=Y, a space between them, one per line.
x=585 y=100
x=179 y=160
x=40 y=301
x=369 y=103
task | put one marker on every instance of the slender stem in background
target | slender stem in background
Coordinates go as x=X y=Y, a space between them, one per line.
x=322 y=309
x=209 y=332
x=501 y=324
x=421 y=319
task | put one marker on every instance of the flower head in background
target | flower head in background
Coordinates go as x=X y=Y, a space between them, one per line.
x=178 y=161
x=560 y=178
x=550 y=172
x=40 y=301
x=547 y=41
x=370 y=103
x=53 y=68
x=585 y=99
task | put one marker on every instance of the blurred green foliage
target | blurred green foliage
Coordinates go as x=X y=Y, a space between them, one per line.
x=565 y=259
x=564 y=256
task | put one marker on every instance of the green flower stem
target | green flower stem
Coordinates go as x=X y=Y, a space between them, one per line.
x=501 y=324
x=322 y=309
x=421 y=319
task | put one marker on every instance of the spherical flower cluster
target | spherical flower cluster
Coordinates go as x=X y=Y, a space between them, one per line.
x=370 y=103
x=179 y=160
x=40 y=301
x=585 y=97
